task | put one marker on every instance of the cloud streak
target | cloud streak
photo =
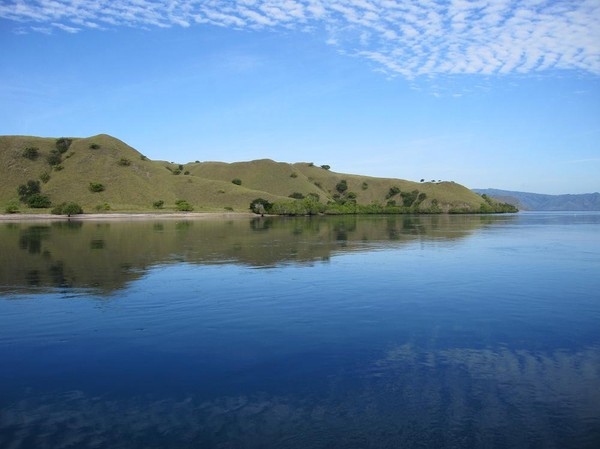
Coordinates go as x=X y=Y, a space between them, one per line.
x=410 y=38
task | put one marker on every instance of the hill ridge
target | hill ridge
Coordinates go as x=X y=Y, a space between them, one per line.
x=66 y=168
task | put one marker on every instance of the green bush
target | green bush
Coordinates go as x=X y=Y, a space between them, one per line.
x=58 y=167
x=158 y=204
x=392 y=192
x=229 y=208
x=94 y=146
x=63 y=144
x=183 y=206
x=237 y=181
x=176 y=171
x=96 y=187
x=297 y=196
x=294 y=175
x=325 y=167
x=102 y=207
x=54 y=158
x=142 y=157
x=45 y=177
x=31 y=153
x=38 y=201
x=364 y=186
x=124 y=162
x=12 y=207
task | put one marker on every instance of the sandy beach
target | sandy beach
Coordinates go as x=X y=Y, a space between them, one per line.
x=127 y=216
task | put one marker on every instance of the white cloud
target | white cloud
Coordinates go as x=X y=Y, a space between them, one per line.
x=403 y=37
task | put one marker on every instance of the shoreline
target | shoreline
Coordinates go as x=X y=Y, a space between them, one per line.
x=125 y=216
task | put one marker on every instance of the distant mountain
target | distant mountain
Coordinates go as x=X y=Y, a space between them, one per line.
x=538 y=201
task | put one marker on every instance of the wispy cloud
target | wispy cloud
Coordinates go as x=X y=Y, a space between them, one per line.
x=410 y=38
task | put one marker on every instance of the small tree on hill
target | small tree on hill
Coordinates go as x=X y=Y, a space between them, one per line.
x=341 y=186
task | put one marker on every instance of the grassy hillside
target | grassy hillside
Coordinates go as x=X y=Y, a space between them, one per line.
x=132 y=182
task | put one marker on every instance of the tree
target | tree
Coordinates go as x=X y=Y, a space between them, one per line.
x=67 y=209
x=325 y=167
x=25 y=191
x=341 y=186
x=260 y=206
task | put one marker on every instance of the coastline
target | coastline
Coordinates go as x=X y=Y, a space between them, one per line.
x=125 y=216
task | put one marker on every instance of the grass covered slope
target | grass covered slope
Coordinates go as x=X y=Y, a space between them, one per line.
x=104 y=173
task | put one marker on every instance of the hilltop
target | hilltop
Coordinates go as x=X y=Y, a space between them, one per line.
x=538 y=201
x=102 y=173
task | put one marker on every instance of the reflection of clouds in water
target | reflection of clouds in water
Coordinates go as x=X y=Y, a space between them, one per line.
x=450 y=398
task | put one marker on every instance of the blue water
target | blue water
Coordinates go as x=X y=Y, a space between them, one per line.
x=372 y=332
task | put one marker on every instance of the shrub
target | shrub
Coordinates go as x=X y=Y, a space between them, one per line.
x=102 y=207
x=237 y=181
x=392 y=192
x=294 y=175
x=63 y=144
x=31 y=153
x=58 y=167
x=176 y=171
x=142 y=157
x=311 y=164
x=45 y=177
x=187 y=172
x=94 y=146
x=158 y=204
x=325 y=167
x=12 y=207
x=364 y=186
x=229 y=208
x=297 y=196
x=183 y=206
x=54 y=158
x=96 y=187
x=124 y=162
x=38 y=201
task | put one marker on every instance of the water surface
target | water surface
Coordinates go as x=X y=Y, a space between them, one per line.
x=349 y=332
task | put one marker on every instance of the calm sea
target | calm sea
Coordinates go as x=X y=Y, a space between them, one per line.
x=327 y=332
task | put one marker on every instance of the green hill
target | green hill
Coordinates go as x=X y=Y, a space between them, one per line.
x=131 y=182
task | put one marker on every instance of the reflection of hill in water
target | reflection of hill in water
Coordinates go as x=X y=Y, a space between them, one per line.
x=106 y=255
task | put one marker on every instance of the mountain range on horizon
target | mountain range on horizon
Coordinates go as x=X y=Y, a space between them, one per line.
x=545 y=202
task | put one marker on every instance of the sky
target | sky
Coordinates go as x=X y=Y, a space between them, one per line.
x=486 y=93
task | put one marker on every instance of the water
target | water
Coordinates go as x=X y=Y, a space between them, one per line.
x=337 y=332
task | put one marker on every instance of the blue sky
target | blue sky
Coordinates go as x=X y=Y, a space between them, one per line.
x=487 y=93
